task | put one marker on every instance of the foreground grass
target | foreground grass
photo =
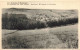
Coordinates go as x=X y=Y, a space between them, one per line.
x=59 y=37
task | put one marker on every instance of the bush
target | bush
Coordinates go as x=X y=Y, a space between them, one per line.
x=20 y=22
x=62 y=21
x=14 y=21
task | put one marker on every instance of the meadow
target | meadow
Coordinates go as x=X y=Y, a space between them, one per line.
x=55 y=37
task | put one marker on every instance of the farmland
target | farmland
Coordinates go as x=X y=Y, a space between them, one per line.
x=56 y=37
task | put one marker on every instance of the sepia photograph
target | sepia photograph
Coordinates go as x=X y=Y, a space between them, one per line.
x=24 y=28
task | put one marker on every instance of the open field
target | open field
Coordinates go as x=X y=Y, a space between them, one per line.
x=56 y=37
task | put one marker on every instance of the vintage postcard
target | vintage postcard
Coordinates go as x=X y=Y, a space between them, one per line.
x=39 y=24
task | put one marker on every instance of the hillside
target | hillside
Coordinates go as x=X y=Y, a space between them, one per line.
x=42 y=12
x=16 y=18
x=57 y=37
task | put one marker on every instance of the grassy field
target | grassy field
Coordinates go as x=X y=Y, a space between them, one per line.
x=56 y=37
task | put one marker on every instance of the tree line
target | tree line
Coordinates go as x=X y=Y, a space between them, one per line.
x=21 y=22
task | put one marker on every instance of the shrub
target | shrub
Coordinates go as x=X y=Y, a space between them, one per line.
x=14 y=21
x=62 y=21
